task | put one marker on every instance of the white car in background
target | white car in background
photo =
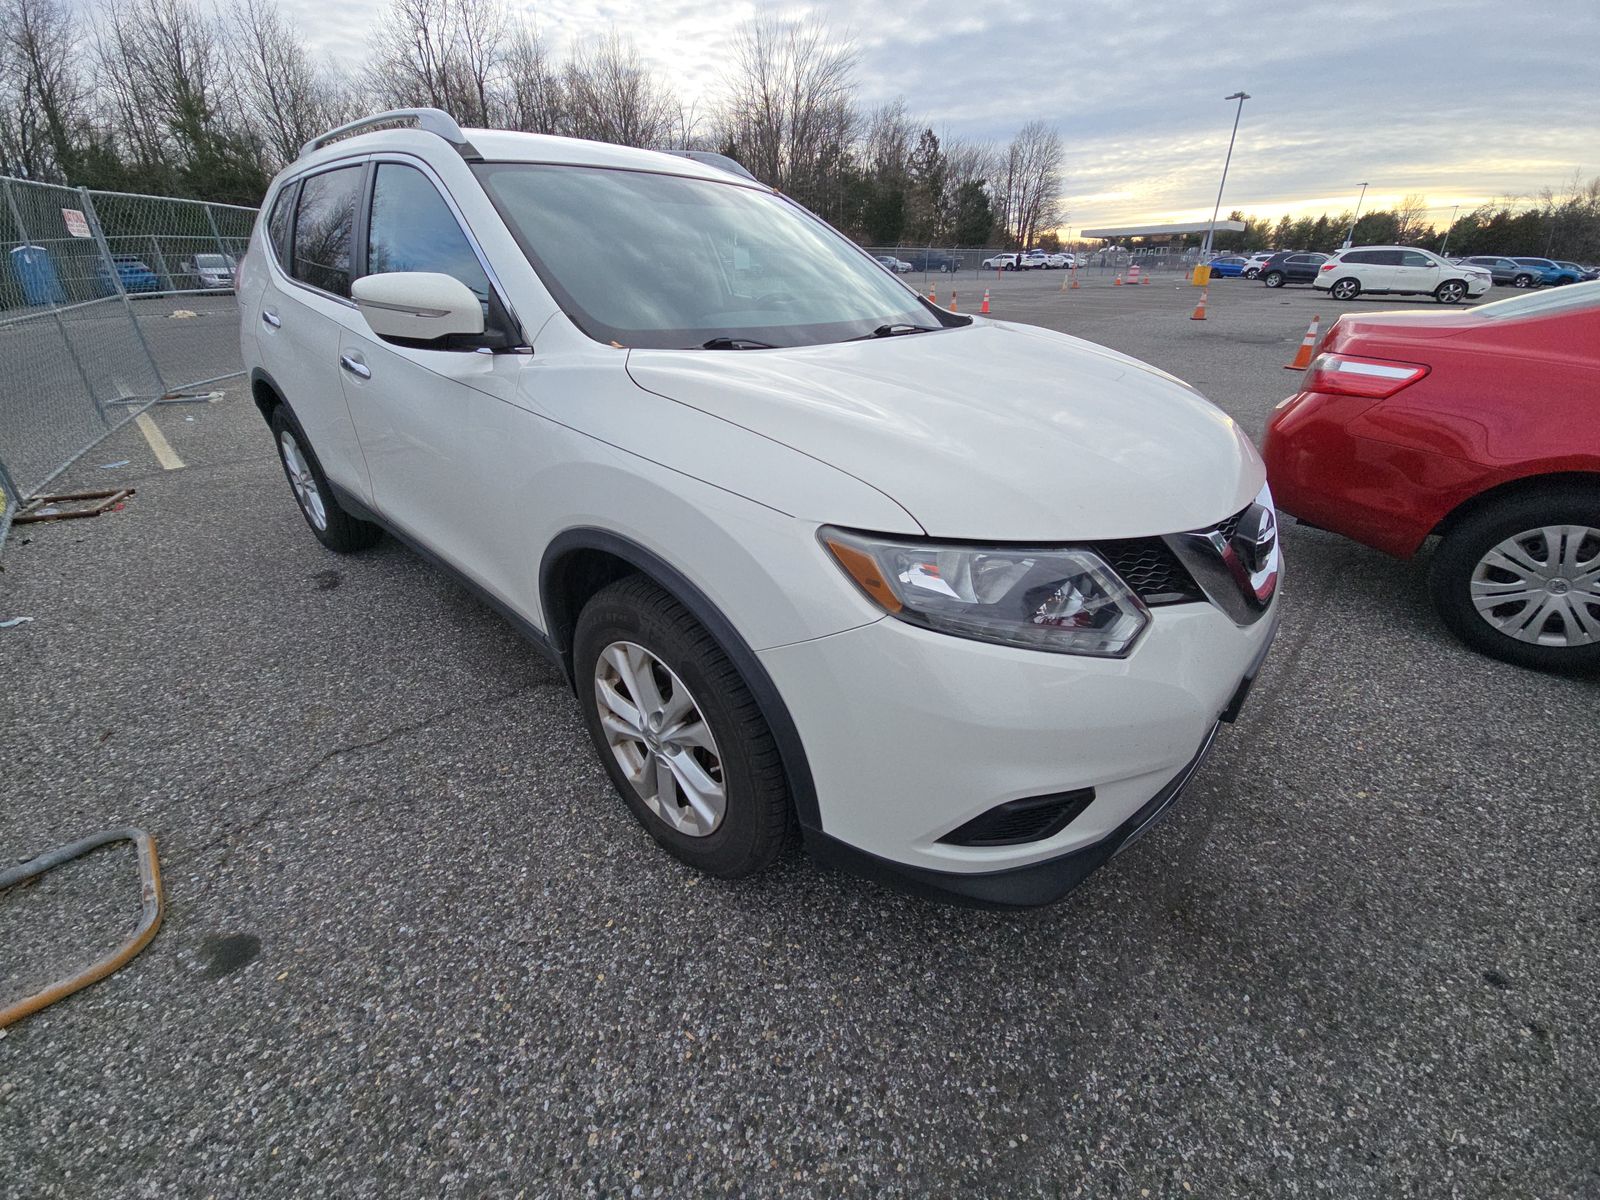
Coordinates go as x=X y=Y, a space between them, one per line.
x=1032 y=260
x=1059 y=261
x=890 y=263
x=1254 y=263
x=1001 y=262
x=804 y=566
x=1400 y=271
x=215 y=271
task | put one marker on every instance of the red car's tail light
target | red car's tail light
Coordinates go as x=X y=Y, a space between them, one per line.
x=1327 y=266
x=1375 y=378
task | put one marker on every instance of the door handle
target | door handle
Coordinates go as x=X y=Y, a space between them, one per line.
x=355 y=366
x=271 y=318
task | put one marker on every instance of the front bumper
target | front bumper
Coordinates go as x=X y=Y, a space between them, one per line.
x=910 y=734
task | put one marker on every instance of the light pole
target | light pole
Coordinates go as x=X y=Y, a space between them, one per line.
x=1349 y=237
x=1241 y=97
x=1449 y=229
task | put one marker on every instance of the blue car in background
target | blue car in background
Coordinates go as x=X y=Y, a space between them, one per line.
x=135 y=275
x=1551 y=272
x=1229 y=266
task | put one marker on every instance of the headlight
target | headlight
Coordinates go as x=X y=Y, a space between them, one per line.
x=1062 y=599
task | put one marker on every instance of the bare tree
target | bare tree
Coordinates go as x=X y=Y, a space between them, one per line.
x=612 y=97
x=1409 y=215
x=533 y=100
x=278 y=88
x=788 y=108
x=1027 y=183
x=440 y=53
x=42 y=92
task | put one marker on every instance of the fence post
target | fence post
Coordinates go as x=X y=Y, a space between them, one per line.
x=215 y=232
x=161 y=262
x=55 y=312
x=116 y=279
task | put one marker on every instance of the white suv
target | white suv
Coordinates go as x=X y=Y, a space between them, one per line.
x=1400 y=271
x=805 y=564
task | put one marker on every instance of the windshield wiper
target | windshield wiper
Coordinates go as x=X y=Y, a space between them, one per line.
x=896 y=330
x=736 y=343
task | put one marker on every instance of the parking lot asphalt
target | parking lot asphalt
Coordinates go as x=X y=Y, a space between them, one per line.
x=415 y=946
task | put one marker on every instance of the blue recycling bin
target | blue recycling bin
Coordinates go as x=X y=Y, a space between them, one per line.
x=36 y=273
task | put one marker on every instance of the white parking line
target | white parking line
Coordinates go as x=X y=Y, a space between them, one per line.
x=165 y=455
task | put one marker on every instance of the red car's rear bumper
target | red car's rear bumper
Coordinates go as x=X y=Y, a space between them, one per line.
x=1385 y=495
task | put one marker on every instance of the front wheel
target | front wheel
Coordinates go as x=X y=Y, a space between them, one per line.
x=1522 y=281
x=1451 y=291
x=1273 y=279
x=1520 y=580
x=679 y=732
x=1345 y=289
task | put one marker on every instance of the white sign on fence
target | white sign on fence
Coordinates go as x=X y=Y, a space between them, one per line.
x=77 y=223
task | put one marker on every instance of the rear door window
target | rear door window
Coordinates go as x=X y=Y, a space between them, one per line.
x=281 y=221
x=323 y=227
x=1410 y=258
x=1367 y=257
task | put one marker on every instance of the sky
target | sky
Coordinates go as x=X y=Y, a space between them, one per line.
x=1462 y=101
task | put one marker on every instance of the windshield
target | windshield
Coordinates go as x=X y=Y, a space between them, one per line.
x=1536 y=304
x=662 y=261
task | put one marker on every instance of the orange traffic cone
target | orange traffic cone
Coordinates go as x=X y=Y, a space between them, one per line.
x=985 y=307
x=1117 y=282
x=953 y=302
x=1075 y=284
x=1145 y=278
x=1199 y=313
x=933 y=294
x=1302 y=356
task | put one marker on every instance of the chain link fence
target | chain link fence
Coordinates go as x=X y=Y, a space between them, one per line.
x=108 y=303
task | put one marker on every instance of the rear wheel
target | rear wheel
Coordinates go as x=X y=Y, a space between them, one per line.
x=1346 y=289
x=1520 y=580
x=679 y=732
x=1252 y=272
x=1274 y=279
x=1451 y=291
x=335 y=528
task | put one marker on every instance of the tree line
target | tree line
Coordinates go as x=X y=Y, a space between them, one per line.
x=172 y=98
x=1559 y=222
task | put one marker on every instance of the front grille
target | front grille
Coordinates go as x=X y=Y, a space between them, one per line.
x=1017 y=821
x=1231 y=526
x=1152 y=570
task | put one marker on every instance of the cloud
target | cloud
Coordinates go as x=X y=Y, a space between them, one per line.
x=1461 y=100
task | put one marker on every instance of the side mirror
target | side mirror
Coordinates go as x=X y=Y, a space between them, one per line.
x=417 y=306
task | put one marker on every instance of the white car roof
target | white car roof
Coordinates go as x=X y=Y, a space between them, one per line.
x=500 y=145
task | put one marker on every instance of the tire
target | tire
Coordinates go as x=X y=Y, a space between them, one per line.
x=1451 y=291
x=1567 y=636
x=1345 y=289
x=1274 y=279
x=334 y=528
x=1252 y=273
x=738 y=754
x=1522 y=281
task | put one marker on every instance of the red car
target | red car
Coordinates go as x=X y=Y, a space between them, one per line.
x=1480 y=426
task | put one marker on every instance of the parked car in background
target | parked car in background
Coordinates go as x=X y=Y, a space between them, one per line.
x=1033 y=260
x=1290 y=266
x=133 y=272
x=1254 y=262
x=1400 y=271
x=1503 y=271
x=214 y=271
x=1551 y=273
x=898 y=266
x=798 y=484
x=1059 y=261
x=1001 y=262
x=1584 y=274
x=1481 y=428
x=932 y=260
x=1229 y=266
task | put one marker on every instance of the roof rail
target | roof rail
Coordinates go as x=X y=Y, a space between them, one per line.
x=721 y=161
x=429 y=120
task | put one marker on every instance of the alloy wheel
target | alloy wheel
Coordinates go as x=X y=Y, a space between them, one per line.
x=659 y=737
x=303 y=481
x=1346 y=289
x=1542 y=586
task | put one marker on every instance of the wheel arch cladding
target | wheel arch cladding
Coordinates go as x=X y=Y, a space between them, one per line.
x=579 y=562
x=265 y=392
